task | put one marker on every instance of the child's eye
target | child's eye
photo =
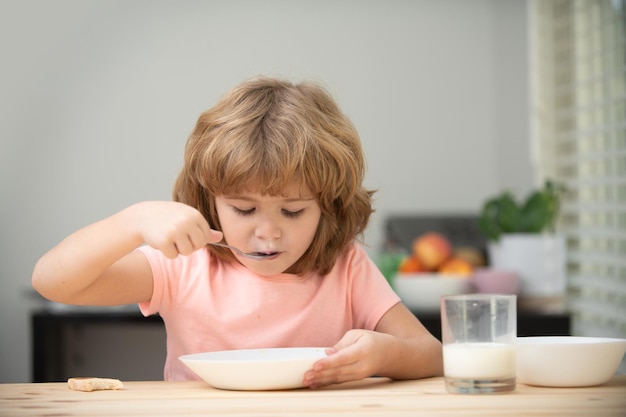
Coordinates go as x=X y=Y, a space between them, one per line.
x=292 y=214
x=243 y=212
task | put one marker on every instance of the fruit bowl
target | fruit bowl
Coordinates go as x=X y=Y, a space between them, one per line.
x=423 y=291
x=567 y=361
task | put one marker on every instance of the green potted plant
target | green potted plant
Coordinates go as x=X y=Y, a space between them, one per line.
x=522 y=237
x=537 y=214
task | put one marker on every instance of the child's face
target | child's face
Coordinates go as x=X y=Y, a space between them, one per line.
x=283 y=226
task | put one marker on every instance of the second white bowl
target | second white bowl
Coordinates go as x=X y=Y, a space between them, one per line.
x=567 y=361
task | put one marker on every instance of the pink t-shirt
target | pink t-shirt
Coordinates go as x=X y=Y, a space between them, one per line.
x=209 y=305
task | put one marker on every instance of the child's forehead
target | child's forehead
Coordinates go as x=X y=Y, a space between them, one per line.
x=293 y=190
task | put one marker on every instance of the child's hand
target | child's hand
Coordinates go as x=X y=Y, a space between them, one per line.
x=173 y=228
x=359 y=354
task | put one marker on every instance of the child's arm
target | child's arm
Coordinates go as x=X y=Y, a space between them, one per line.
x=400 y=348
x=97 y=265
x=416 y=353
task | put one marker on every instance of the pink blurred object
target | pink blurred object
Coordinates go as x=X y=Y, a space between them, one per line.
x=487 y=280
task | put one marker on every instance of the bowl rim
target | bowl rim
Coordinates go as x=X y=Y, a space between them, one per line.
x=565 y=340
x=250 y=355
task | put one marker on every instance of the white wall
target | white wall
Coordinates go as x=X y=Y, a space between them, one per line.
x=97 y=99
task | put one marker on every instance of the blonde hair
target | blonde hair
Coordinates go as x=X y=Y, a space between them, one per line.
x=266 y=134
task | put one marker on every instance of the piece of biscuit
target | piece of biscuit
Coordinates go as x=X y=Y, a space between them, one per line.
x=94 y=384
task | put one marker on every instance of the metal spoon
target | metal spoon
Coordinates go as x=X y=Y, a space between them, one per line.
x=252 y=255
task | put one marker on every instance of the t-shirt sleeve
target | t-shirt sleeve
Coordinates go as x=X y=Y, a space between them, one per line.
x=372 y=296
x=158 y=280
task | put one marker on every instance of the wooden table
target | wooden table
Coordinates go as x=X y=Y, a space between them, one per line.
x=378 y=397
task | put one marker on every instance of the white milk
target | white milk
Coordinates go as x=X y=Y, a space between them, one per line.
x=479 y=360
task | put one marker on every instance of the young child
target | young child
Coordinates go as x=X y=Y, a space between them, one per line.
x=274 y=168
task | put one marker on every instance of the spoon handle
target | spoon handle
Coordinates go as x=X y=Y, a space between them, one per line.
x=239 y=251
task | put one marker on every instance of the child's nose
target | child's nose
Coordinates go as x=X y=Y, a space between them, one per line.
x=268 y=229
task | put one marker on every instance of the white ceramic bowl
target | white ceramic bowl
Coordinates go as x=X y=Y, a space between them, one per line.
x=254 y=369
x=423 y=291
x=567 y=361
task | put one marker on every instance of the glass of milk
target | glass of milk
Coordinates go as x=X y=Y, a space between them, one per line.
x=478 y=334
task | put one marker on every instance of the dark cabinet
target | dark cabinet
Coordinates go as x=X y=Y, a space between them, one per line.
x=122 y=345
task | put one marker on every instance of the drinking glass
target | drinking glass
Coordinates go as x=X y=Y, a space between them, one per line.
x=478 y=335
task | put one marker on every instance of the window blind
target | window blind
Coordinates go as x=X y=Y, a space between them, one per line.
x=578 y=58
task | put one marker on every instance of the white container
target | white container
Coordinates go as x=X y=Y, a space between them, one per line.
x=422 y=292
x=568 y=361
x=540 y=261
x=254 y=369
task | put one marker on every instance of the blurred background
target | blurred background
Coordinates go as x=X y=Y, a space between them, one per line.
x=98 y=98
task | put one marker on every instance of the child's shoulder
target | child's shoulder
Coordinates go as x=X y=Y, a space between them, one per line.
x=354 y=255
x=356 y=250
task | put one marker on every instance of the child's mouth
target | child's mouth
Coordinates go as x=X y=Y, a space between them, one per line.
x=267 y=255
